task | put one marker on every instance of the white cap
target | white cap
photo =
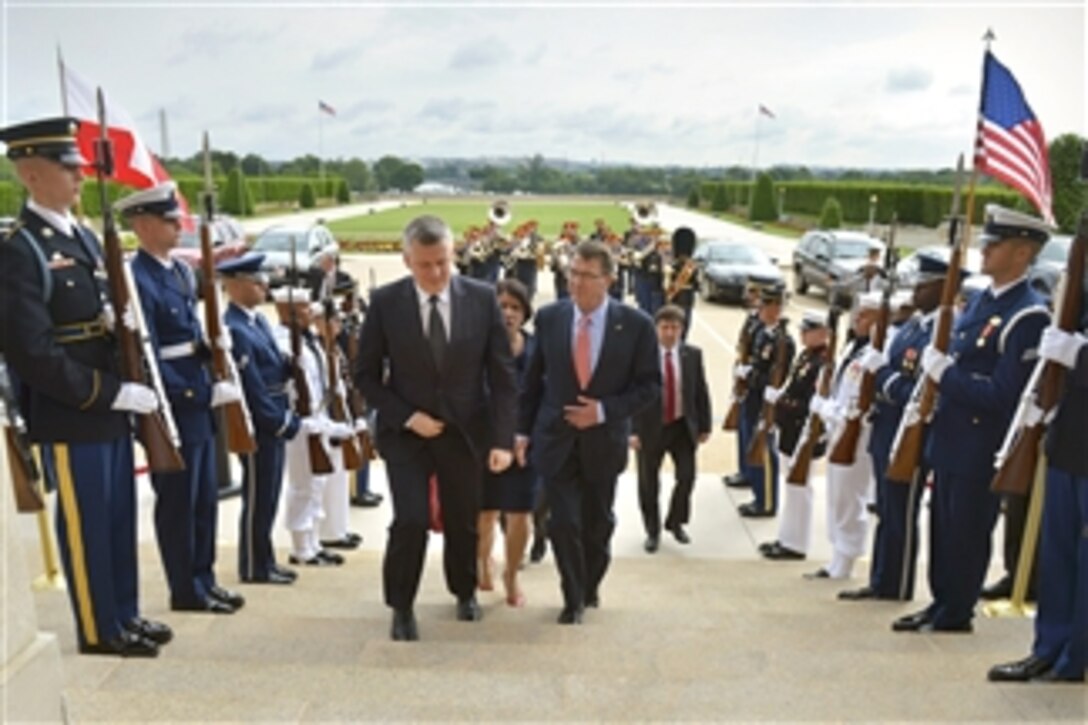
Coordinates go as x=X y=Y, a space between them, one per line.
x=1002 y=223
x=813 y=319
x=160 y=200
x=870 y=300
x=901 y=298
x=296 y=295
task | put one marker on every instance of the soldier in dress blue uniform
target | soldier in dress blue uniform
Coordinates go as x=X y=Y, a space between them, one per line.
x=896 y=369
x=264 y=372
x=57 y=337
x=186 y=502
x=993 y=349
x=753 y=325
x=764 y=477
x=1060 y=651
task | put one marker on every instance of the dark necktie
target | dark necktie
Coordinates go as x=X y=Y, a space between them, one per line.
x=670 y=388
x=436 y=332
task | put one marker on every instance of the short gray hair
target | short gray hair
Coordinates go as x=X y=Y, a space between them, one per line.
x=592 y=249
x=427 y=230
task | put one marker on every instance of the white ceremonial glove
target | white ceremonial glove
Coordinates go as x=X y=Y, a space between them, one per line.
x=771 y=394
x=830 y=413
x=339 y=431
x=872 y=359
x=129 y=318
x=224 y=342
x=361 y=426
x=740 y=372
x=1061 y=347
x=814 y=404
x=108 y=318
x=935 y=362
x=135 y=398
x=225 y=392
x=312 y=424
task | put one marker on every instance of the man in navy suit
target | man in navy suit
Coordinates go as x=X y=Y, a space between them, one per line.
x=993 y=349
x=434 y=361
x=186 y=502
x=596 y=365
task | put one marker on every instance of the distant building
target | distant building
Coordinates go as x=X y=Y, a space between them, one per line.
x=437 y=189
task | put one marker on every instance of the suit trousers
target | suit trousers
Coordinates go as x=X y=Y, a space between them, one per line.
x=895 y=542
x=262 y=482
x=1061 y=627
x=96 y=533
x=459 y=473
x=580 y=527
x=962 y=518
x=1016 y=514
x=675 y=439
x=186 y=512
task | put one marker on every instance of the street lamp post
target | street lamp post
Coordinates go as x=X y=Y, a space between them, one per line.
x=872 y=212
x=781 y=202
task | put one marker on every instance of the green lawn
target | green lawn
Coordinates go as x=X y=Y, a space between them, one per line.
x=460 y=214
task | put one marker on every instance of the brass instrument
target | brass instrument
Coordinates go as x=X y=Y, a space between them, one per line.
x=681 y=280
x=646 y=213
x=500 y=213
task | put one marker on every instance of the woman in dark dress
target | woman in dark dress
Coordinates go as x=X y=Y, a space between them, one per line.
x=513 y=492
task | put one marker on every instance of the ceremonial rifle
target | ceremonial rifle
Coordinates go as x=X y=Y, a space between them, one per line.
x=907 y=448
x=844 y=452
x=814 y=425
x=356 y=402
x=1017 y=458
x=338 y=408
x=319 y=457
x=740 y=385
x=25 y=475
x=240 y=438
x=757 y=449
x=156 y=429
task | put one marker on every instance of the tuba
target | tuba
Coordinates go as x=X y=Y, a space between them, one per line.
x=500 y=213
x=645 y=213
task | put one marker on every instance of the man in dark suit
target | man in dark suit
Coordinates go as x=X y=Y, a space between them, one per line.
x=434 y=360
x=676 y=424
x=595 y=366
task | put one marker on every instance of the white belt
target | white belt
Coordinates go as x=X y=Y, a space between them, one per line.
x=173 y=352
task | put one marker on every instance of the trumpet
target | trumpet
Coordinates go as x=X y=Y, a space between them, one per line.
x=480 y=249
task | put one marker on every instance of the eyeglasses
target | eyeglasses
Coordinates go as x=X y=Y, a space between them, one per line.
x=577 y=274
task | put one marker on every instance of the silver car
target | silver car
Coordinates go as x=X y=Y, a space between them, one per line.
x=275 y=244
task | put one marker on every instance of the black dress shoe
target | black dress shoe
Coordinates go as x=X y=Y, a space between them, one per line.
x=274 y=576
x=126 y=644
x=1001 y=589
x=651 y=544
x=404 y=626
x=820 y=573
x=912 y=622
x=1029 y=668
x=957 y=628
x=540 y=547
x=857 y=595
x=331 y=557
x=737 y=480
x=367 y=499
x=593 y=600
x=777 y=552
x=321 y=558
x=679 y=534
x=285 y=572
x=571 y=615
x=209 y=605
x=767 y=546
x=468 y=610
x=751 y=511
x=157 y=632
x=345 y=543
x=225 y=595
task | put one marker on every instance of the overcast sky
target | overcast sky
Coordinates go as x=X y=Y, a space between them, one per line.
x=857 y=84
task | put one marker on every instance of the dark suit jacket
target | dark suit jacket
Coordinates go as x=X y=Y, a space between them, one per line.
x=396 y=371
x=695 y=400
x=627 y=379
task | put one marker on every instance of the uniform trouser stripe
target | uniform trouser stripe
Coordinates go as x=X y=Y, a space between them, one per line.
x=74 y=529
x=906 y=571
x=768 y=479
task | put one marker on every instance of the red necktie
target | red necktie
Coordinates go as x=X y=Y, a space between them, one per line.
x=670 y=388
x=582 y=360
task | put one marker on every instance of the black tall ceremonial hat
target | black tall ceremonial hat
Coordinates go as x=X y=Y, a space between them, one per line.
x=51 y=138
x=683 y=242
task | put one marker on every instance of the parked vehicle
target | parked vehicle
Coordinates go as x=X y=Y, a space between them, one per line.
x=228 y=241
x=828 y=258
x=6 y=224
x=275 y=244
x=1050 y=264
x=726 y=268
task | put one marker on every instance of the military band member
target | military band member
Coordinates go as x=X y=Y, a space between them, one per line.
x=848 y=486
x=186 y=502
x=561 y=253
x=495 y=248
x=615 y=245
x=993 y=350
x=1060 y=650
x=57 y=338
x=652 y=266
x=791 y=410
x=523 y=265
x=764 y=476
x=264 y=371
x=751 y=327
x=677 y=424
x=896 y=370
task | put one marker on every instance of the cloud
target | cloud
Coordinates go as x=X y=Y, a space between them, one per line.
x=367 y=107
x=906 y=80
x=534 y=56
x=449 y=110
x=480 y=54
x=335 y=58
x=278 y=113
x=214 y=42
x=963 y=89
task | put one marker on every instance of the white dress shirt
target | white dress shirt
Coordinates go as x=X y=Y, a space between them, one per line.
x=679 y=381
x=425 y=309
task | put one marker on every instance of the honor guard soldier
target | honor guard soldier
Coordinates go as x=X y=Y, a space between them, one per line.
x=264 y=372
x=749 y=329
x=1060 y=650
x=791 y=409
x=186 y=502
x=57 y=337
x=764 y=476
x=896 y=369
x=991 y=355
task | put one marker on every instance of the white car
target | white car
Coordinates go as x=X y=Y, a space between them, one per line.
x=275 y=243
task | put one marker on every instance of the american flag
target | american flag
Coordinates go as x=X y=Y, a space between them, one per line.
x=326 y=108
x=765 y=111
x=1010 y=145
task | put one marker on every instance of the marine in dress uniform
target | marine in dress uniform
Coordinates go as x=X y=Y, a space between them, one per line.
x=57 y=338
x=264 y=371
x=751 y=327
x=991 y=355
x=791 y=410
x=763 y=477
x=1060 y=650
x=186 y=502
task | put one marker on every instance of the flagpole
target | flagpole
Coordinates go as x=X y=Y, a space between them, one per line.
x=63 y=83
x=988 y=38
x=321 y=145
